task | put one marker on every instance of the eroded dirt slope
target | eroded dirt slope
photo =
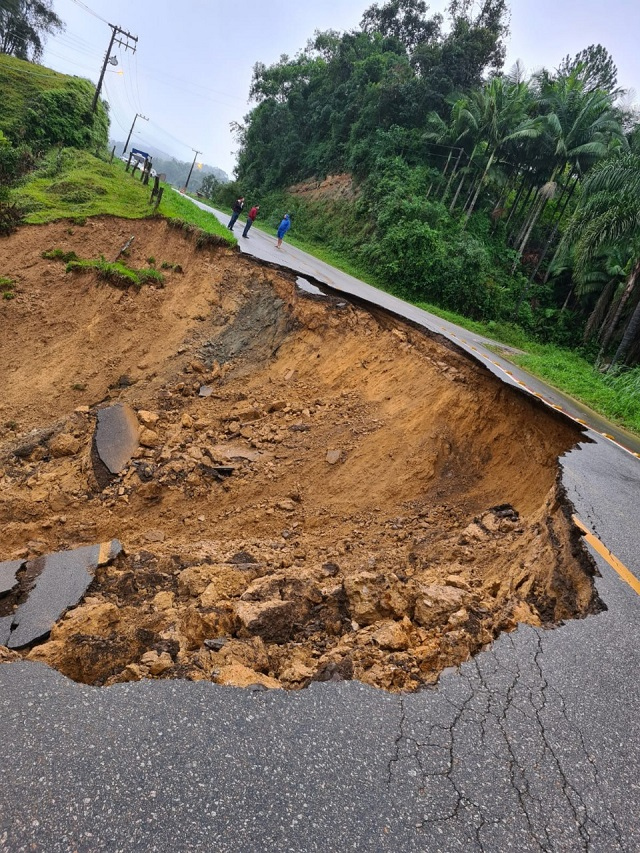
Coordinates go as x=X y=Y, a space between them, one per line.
x=353 y=499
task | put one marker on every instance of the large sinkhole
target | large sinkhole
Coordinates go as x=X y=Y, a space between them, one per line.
x=314 y=491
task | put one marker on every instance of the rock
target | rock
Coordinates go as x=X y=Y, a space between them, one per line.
x=61 y=580
x=6 y=655
x=64 y=444
x=246 y=415
x=205 y=391
x=163 y=600
x=272 y=620
x=287 y=505
x=227 y=583
x=154 y=536
x=277 y=406
x=364 y=593
x=151 y=492
x=149 y=438
x=263 y=589
x=458 y=582
x=116 y=436
x=237 y=675
x=217 y=581
x=155 y=663
x=133 y=672
x=296 y=672
x=216 y=644
x=334 y=670
x=186 y=421
x=149 y=419
x=392 y=636
x=459 y=618
x=223 y=452
x=436 y=602
x=474 y=531
x=333 y=456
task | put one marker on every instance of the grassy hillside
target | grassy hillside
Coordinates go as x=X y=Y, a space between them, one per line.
x=73 y=184
x=20 y=83
x=40 y=108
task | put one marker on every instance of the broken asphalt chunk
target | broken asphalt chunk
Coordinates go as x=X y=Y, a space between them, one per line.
x=116 y=436
x=8 y=575
x=62 y=581
x=5 y=629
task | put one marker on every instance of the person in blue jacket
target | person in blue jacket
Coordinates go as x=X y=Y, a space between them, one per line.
x=282 y=229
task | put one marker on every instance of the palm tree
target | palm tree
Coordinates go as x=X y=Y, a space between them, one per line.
x=501 y=107
x=609 y=214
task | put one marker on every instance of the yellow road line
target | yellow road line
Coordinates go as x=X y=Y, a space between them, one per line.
x=606 y=554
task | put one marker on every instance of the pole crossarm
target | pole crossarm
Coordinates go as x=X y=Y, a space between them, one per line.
x=115 y=30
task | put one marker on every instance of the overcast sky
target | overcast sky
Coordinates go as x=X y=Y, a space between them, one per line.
x=192 y=69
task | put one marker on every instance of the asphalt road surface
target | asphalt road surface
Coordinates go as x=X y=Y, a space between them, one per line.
x=531 y=746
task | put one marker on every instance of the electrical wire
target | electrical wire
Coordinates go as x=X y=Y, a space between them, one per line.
x=90 y=11
x=136 y=80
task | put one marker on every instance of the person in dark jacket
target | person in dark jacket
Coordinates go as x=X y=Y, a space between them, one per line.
x=250 y=220
x=282 y=229
x=237 y=210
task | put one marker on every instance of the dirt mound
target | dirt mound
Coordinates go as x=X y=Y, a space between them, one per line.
x=349 y=499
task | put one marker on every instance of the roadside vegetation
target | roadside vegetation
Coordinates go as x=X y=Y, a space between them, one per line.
x=510 y=199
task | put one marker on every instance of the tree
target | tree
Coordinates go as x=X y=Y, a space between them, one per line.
x=24 y=25
x=594 y=67
x=404 y=20
x=609 y=213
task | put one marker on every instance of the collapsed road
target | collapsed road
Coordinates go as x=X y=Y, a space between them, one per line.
x=352 y=500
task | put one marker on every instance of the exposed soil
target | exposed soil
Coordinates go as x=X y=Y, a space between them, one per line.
x=354 y=499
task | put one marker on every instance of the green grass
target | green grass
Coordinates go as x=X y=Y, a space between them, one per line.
x=7 y=288
x=117 y=273
x=615 y=397
x=20 y=82
x=73 y=184
x=59 y=255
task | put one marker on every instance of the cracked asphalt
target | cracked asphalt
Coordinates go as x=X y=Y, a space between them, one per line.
x=531 y=746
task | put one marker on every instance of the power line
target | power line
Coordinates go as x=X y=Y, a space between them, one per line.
x=90 y=11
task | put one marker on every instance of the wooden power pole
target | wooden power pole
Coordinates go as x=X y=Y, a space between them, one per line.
x=133 y=124
x=191 y=169
x=126 y=44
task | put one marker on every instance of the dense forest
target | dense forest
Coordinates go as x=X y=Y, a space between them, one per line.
x=488 y=192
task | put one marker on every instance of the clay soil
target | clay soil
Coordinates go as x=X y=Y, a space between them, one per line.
x=354 y=499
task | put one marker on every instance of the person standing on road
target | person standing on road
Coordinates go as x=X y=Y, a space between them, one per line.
x=237 y=210
x=250 y=220
x=282 y=229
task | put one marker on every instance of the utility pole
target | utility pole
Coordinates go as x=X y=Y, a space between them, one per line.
x=126 y=145
x=128 y=37
x=191 y=169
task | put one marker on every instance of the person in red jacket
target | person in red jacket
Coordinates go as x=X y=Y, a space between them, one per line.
x=251 y=218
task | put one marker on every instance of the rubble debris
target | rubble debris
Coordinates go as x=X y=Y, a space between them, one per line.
x=440 y=524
